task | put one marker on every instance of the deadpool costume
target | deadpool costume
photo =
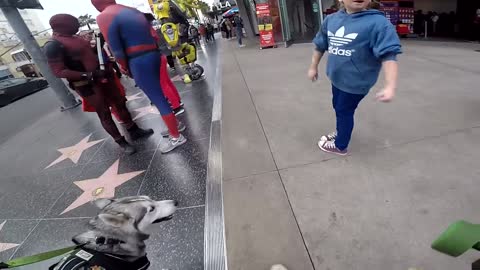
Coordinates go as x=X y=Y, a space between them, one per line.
x=128 y=33
x=72 y=58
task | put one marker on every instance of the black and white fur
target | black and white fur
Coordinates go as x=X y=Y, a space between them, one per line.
x=122 y=226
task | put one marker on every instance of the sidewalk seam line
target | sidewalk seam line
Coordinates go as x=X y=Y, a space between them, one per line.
x=426 y=138
x=148 y=168
x=274 y=161
x=46 y=213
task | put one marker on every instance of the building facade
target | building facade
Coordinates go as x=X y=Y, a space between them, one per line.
x=12 y=55
x=300 y=20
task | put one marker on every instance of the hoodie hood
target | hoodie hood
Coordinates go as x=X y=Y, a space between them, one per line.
x=366 y=12
x=64 y=24
x=101 y=5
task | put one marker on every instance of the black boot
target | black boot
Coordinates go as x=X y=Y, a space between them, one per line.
x=137 y=133
x=126 y=147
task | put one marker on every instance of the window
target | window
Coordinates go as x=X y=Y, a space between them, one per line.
x=20 y=57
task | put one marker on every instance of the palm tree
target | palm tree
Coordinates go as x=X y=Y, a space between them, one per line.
x=86 y=20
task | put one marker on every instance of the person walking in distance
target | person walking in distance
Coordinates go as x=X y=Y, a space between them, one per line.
x=71 y=57
x=359 y=42
x=229 y=25
x=194 y=35
x=239 y=29
x=129 y=35
x=202 y=30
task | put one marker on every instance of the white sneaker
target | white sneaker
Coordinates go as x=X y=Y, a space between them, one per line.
x=330 y=147
x=278 y=267
x=241 y=46
x=330 y=137
x=173 y=144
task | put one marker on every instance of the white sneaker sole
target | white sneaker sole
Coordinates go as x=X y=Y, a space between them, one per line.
x=320 y=145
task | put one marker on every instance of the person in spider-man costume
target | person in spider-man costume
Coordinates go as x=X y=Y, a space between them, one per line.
x=128 y=33
x=71 y=57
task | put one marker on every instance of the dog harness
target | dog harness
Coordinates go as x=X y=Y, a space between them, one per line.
x=87 y=259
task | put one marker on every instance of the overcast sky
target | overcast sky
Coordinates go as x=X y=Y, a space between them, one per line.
x=82 y=7
x=79 y=7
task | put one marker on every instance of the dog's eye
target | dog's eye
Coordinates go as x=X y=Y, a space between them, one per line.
x=151 y=209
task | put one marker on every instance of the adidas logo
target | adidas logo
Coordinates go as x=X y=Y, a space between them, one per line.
x=339 y=39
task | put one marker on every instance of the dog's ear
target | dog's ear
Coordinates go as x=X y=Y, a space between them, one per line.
x=102 y=203
x=113 y=220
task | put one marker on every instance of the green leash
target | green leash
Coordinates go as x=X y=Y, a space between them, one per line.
x=37 y=258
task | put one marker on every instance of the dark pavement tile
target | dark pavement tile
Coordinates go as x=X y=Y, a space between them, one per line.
x=14 y=232
x=178 y=243
x=198 y=114
x=108 y=152
x=27 y=197
x=175 y=244
x=137 y=162
x=51 y=235
x=179 y=175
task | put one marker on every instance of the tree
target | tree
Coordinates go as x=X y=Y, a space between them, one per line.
x=86 y=20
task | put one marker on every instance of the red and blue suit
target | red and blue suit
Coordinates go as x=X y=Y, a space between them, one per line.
x=128 y=33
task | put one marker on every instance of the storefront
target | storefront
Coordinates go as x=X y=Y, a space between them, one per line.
x=296 y=21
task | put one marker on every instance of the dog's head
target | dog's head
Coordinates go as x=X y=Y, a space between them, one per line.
x=133 y=213
x=127 y=218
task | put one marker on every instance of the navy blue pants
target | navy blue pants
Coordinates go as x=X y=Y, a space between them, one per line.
x=345 y=105
x=146 y=72
x=239 y=35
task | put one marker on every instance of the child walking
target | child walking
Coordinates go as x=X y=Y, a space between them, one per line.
x=359 y=42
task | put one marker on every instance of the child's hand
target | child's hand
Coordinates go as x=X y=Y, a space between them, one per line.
x=312 y=74
x=386 y=95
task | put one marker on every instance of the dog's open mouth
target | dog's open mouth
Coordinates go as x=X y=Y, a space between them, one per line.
x=163 y=219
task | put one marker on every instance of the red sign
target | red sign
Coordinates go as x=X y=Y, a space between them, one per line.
x=265 y=25
x=263 y=10
x=266 y=39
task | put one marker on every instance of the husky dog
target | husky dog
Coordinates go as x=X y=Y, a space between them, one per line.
x=116 y=239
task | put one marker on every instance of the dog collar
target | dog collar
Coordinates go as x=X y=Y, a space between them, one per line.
x=101 y=240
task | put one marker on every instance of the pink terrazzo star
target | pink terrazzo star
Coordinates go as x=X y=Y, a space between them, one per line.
x=102 y=187
x=6 y=246
x=146 y=111
x=74 y=152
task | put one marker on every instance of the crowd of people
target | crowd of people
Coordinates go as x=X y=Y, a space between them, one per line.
x=447 y=24
x=233 y=27
x=440 y=24
x=128 y=39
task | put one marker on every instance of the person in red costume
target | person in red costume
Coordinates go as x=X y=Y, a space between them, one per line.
x=128 y=33
x=72 y=58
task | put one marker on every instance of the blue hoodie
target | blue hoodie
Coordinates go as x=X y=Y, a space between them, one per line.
x=357 y=44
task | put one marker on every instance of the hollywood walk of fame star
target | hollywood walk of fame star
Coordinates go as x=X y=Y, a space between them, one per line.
x=146 y=111
x=135 y=97
x=74 y=152
x=102 y=187
x=5 y=246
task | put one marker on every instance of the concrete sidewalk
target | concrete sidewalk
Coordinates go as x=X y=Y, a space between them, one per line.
x=412 y=171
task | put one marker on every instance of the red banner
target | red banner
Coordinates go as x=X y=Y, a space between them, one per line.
x=265 y=26
x=263 y=10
